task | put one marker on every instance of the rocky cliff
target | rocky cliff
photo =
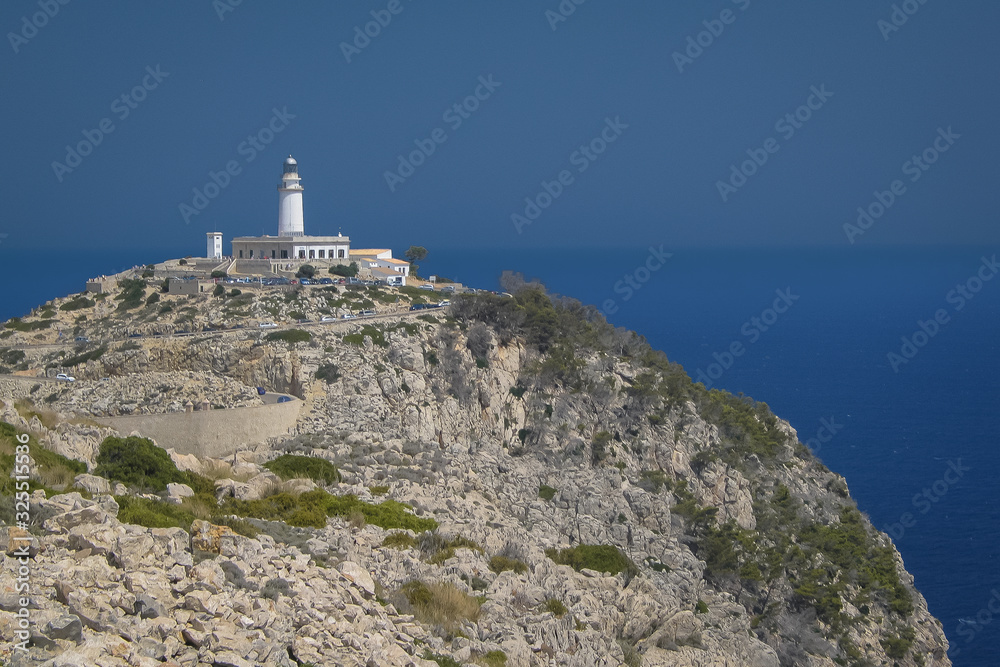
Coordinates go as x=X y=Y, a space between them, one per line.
x=587 y=505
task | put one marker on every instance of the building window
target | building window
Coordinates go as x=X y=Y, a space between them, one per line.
x=273 y=254
x=241 y=254
x=284 y=254
x=341 y=254
x=312 y=254
x=251 y=254
x=302 y=254
x=322 y=254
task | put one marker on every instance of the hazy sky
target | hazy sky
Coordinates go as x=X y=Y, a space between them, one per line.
x=200 y=78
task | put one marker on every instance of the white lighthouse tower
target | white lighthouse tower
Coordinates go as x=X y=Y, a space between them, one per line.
x=290 y=201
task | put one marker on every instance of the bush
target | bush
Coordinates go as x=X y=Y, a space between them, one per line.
x=555 y=606
x=153 y=298
x=137 y=462
x=275 y=588
x=367 y=331
x=132 y=293
x=500 y=564
x=345 y=271
x=306 y=271
x=77 y=303
x=329 y=373
x=494 y=659
x=152 y=513
x=47 y=467
x=217 y=273
x=291 y=466
x=84 y=357
x=602 y=558
x=290 y=336
x=546 y=492
x=399 y=540
x=440 y=604
x=218 y=291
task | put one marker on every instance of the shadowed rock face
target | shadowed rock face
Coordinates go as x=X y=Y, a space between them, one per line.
x=746 y=550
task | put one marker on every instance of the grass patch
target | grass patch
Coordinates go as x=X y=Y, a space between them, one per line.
x=500 y=564
x=599 y=557
x=47 y=469
x=329 y=373
x=313 y=507
x=84 y=357
x=555 y=606
x=368 y=331
x=153 y=513
x=546 y=492
x=290 y=336
x=400 y=541
x=291 y=466
x=440 y=604
x=77 y=303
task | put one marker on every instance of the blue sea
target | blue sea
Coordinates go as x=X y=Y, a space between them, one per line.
x=884 y=360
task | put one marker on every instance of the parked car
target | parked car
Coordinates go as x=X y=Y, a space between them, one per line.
x=65 y=378
x=326 y=281
x=427 y=287
x=284 y=399
x=328 y=318
x=418 y=306
x=81 y=339
x=261 y=391
x=348 y=316
x=366 y=313
x=444 y=303
x=448 y=288
x=268 y=325
x=305 y=281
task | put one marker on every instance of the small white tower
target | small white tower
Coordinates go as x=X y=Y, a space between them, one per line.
x=290 y=201
x=214 y=245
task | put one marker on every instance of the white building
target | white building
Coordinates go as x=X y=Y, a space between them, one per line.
x=291 y=243
x=214 y=245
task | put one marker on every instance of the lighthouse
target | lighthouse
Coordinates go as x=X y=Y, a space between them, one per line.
x=290 y=201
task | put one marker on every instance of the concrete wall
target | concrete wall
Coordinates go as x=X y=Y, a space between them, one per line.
x=214 y=433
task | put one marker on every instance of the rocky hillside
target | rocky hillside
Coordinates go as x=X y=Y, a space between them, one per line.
x=513 y=482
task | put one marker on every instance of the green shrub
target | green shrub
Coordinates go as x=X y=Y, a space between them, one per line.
x=599 y=557
x=153 y=298
x=346 y=271
x=83 y=357
x=701 y=607
x=290 y=336
x=132 y=293
x=494 y=659
x=441 y=660
x=500 y=564
x=138 y=462
x=367 y=331
x=546 y=492
x=440 y=604
x=378 y=490
x=329 y=373
x=292 y=466
x=555 y=606
x=77 y=303
x=152 y=513
x=399 y=540
x=599 y=447
x=313 y=507
x=654 y=480
x=275 y=588
x=47 y=467
x=219 y=290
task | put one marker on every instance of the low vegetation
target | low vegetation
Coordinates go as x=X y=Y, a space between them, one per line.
x=291 y=466
x=289 y=336
x=440 y=604
x=599 y=557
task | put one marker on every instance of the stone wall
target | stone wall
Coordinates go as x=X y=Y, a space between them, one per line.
x=214 y=433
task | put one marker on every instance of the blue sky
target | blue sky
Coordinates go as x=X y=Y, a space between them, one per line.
x=556 y=85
